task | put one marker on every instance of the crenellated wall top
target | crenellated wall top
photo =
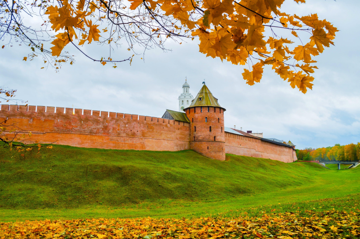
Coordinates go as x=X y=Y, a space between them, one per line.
x=64 y=111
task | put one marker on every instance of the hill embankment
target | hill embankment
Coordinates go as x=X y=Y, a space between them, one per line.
x=75 y=178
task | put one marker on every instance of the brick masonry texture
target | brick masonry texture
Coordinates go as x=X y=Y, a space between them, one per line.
x=203 y=140
x=252 y=147
x=111 y=130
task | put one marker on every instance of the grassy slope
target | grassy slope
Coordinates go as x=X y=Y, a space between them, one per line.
x=94 y=182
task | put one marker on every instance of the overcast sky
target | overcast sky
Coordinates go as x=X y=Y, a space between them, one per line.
x=327 y=115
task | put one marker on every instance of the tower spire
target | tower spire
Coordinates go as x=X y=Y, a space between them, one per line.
x=185 y=98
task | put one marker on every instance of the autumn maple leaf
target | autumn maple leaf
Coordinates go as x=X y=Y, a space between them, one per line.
x=255 y=75
x=94 y=32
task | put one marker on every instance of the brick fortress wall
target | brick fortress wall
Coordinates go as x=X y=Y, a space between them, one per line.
x=96 y=129
x=252 y=147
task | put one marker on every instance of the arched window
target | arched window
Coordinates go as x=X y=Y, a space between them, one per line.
x=210 y=128
x=214 y=138
x=194 y=128
x=208 y=109
x=205 y=119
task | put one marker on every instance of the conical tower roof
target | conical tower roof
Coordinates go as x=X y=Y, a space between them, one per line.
x=205 y=98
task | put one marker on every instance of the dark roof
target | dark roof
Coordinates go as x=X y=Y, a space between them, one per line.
x=272 y=141
x=205 y=98
x=178 y=116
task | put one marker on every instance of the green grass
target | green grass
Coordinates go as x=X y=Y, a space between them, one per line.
x=68 y=182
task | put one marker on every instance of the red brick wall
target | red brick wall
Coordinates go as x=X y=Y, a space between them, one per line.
x=95 y=129
x=210 y=144
x=241 y=145
x=111 y=130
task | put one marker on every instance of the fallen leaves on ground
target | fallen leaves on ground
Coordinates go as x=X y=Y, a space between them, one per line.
x=328 y=224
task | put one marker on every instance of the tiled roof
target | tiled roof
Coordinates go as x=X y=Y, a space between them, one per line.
x=205 y=98
x=179 y=116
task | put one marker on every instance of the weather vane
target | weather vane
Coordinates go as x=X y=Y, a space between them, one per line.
x=204 y=82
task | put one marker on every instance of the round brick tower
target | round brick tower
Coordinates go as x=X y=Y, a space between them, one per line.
x=207 y=125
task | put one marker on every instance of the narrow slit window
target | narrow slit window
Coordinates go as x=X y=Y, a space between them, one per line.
x=208 y=109
x=194 y=109
x=220 y=111
x=201 y=109
x=214 y=110
x=221 y=129
x=205 y=119
x=192 y=120
x=214 y=138
x=210 y=128
x=194 y=128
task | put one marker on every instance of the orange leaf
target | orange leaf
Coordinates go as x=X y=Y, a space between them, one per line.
x=135 y=4
x=255 y=75
x=320 y=38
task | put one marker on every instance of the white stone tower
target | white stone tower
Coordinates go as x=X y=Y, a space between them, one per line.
x=185 y=98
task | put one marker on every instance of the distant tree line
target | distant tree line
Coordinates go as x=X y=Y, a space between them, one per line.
x=349 y=152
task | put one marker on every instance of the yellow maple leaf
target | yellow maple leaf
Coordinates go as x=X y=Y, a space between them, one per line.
x=216 y=9
x=135 y=4
x=307 y=68
x=255 y=75
x=59 y=43
x=284 y=71
x=303 y=53
x=237 y=56
x=94 y=32
x=80 y=4
x=223 y=43
x=320 y=39
x=333 y=228
x=312 y=21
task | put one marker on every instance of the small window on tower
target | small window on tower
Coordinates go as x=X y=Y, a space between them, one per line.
x=194 y=109
x=214 y=110
x=194 y=128
x=214 y=138
x=218 y=120
x=192 y=120
x=201 y=109
x=208 y=109
x=200 y=98
x=210 y=128
x=205 y=119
